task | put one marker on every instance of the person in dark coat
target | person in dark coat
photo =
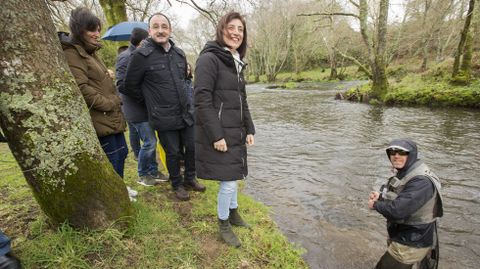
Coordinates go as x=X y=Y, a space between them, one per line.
x=96 y=85
x=411 y=202
x=156 y=76
x=223 y=125
x=137 y=118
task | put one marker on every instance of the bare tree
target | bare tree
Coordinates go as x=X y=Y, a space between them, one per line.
x=47 y=123
x=464 y=47
x=376 y=45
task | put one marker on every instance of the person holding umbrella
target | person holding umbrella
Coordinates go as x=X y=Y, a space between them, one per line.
x=96 y=85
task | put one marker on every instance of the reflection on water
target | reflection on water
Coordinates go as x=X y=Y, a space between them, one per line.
x=316 y=159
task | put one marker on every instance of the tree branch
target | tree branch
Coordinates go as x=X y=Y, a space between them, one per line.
x=356 y=62
x=328 y=14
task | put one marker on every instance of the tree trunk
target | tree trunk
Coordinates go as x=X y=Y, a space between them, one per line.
x=333 y=65
x=463 y=38
x=424 y=36
x=115 y=11
x=466 y=68
x=380 y=81
x=48 y=126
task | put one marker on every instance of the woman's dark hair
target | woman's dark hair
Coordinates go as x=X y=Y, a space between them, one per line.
x=188 y=75
x=82 y=20
x=222 y=25
x=138 y=34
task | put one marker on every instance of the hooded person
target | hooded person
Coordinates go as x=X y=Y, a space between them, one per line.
x=411 y=202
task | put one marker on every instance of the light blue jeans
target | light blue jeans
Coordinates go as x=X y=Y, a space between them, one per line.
x=227 y=198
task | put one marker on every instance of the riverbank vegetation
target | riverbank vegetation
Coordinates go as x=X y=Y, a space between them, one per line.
x=164 y=234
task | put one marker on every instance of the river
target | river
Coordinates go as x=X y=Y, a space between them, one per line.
x=316 y=159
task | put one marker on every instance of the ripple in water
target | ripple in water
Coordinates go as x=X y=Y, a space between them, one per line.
x=316 y=159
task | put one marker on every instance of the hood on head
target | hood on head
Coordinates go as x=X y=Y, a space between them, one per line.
x=224 y=55
x=408 y=145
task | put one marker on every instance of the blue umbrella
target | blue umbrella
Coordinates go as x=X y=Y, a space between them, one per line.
x=123 y=30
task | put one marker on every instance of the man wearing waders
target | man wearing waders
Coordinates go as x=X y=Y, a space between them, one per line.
x=411 y=202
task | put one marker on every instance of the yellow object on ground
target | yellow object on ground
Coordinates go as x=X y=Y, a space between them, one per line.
x=161 y=155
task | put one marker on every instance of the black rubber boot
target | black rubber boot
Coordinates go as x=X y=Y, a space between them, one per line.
x=227 y=234
x=236 y=220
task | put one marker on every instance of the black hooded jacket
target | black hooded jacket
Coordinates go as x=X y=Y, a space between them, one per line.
x=221 y=111
x=157 y=78
x=415 y=194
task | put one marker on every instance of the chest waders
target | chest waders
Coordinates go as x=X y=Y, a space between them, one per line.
x=428 y=213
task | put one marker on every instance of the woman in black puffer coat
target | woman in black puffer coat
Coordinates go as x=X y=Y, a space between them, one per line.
x=223 y=125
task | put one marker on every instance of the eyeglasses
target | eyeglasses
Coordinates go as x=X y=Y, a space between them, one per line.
x=399 y=151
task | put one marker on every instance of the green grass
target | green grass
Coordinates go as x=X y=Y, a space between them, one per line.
x=314 y=75
x=434 y=87
x=165 y=234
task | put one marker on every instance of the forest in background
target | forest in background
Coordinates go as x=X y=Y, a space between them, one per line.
x=384 y=40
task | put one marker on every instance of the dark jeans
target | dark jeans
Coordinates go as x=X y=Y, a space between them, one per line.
x=134 y=138
x=4 y=244
x=173 y=143
x=147 y=158
x=116 y=149
x=388 y=262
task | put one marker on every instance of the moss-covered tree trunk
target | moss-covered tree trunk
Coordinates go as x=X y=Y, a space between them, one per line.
x=115 y=11
x=379 y=67
x=463 y=38
x=48 y=126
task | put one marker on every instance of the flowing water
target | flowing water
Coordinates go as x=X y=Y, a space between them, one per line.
x=316 y=159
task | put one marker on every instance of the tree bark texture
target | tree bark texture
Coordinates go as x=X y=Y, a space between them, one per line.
x=115 y=11
x=380 y=81
x=47 y=124
x=463 y=38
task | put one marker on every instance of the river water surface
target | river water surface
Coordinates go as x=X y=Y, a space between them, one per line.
x=316 y=159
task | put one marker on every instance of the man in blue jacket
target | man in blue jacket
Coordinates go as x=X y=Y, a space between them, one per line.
x=411 y=202
x=156 y=76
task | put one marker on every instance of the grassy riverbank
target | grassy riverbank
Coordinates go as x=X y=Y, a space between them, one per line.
x=165 y=234
x=408 y=85
x=432 y=88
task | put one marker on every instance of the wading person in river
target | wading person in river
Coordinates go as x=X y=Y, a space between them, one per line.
x=96 y=85
x=411 y=202
x=223 y=125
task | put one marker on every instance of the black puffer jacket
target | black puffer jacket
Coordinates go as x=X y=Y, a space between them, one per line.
x=221 y=111
x=415 y=194
x=157 y=78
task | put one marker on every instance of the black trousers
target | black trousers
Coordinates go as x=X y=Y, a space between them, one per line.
x=173 y=143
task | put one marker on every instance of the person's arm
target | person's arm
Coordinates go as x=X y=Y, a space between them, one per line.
x=134 y=77
x=205 y=76
x=121 y=70
x=246 y=115
x=92 y=96
x=415 y=194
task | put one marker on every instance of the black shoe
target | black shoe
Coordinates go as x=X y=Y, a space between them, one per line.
x=194 y=185
x=181 y=194
x=9 y=261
